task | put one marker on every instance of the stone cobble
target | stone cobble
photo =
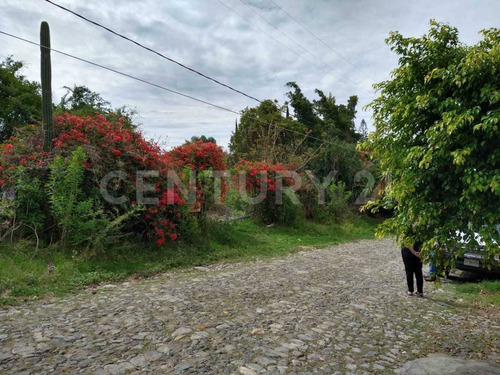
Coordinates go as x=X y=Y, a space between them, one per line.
x=340 y=310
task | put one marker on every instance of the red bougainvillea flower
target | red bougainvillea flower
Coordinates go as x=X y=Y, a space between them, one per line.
x=254 y=172
x=107 y=144
x=200 y=156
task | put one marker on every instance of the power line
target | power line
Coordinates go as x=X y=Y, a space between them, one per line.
x=287 y=47
x=296 y=43
x=322 y=42
x=178 y=63
x=280 y=42
x=262 y=30
x=167 y=89
x=291 y=50
x=121 y=73
x=153 y=51
x=183 y=65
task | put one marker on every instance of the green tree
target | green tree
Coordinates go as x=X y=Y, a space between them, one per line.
x=437 y=133
x=337 y=119
x=363 y=131
x=20 y=99
x=202 y=138
x=303 y=108
x=321 y=135
x=81 y=101
x=341 y=157
x=262 y=135
x=335 y=124
x=324 y=117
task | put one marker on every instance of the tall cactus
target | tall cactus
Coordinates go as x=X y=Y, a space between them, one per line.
x=46 y=86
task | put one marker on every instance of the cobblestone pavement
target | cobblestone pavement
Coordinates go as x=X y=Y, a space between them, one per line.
x=332 y=311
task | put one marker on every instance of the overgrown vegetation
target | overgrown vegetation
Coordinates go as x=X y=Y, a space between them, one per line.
x=319 y=135
x=90 y=183
x=60 y=192
x=102 y=202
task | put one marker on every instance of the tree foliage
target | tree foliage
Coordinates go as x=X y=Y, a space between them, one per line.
x=324 y=117
x=20 y=100
x=437 y=132
x=202 y=138
x=334 y=123
x=81 y=101
x=264 y=134
x=363 y=131
x=337 y=120
x=321 y=134
x=303 y=109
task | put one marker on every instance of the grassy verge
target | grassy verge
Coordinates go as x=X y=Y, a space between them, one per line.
x=25 y=274
x=481 y=294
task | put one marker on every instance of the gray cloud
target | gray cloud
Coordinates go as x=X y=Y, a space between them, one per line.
x=207 y=36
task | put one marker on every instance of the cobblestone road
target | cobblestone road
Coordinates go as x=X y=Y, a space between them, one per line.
x=333 y=311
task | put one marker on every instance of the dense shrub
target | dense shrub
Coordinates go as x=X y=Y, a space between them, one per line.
x=340 y=157
x=202 y=158
x=335 y=206
x=89 y=148
x=199 y=156
x=250 y=178
x=79 y=217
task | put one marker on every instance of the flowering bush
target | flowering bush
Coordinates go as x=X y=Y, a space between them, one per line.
x=108 y=146
x=261 y=185
x=199 y=156
x=202 y=158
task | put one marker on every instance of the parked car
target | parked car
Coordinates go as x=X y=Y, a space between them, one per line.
x=473 y=260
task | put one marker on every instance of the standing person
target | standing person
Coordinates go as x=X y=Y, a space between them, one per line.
x=413 y=266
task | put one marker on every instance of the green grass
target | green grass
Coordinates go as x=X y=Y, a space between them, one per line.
x=482 y=294
x=24 y=273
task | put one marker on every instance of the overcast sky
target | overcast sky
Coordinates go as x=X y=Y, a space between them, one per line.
x=207 y=36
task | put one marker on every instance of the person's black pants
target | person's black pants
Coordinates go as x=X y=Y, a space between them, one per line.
x=413 y=265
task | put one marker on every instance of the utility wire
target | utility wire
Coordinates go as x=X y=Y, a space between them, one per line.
x=121 y=73
x=180 y=64
x=296 y=43
x=153 y=51
x=169 y=90
x=262 y=30
x=321 y=41
x=280 y=42
x=287 y=47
